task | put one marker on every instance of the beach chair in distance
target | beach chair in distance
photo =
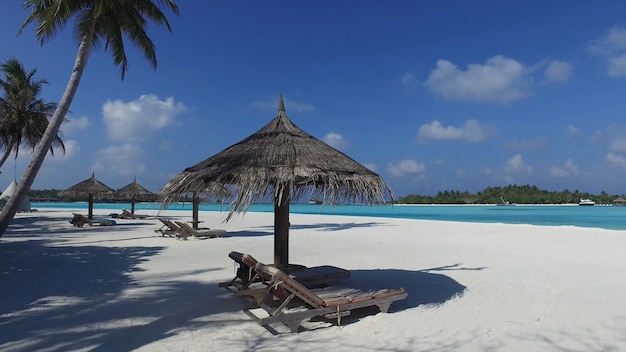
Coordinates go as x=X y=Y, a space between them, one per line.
x=169 y=228
x=290 y=303
x=186 y=231
x=80 y=220
x=128 y=215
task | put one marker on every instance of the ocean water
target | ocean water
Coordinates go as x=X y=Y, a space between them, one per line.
x=606 y=217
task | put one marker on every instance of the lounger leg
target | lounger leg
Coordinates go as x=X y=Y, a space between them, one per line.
x=293 y=325
x=384 y=306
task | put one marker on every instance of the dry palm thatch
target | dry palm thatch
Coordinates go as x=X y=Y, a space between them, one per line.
x=285 y=163
x=135 y=192
x=90 y=188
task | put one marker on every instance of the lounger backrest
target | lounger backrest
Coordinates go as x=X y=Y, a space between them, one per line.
x=169 y=224
x=283 y=281
x=249 y=260
x=186 y=227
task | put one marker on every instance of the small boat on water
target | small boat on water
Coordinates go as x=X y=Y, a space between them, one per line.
x=587 y=202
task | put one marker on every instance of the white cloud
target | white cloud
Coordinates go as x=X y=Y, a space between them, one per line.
x=487 y=171
x=574 y=132
x=500 y=80
x=558 y=71
x=120 y=160
x=617 y=66
x=137 y=120
x=405 y=167
x=566 y=170
x=619 y=144
x=72 y=124
x=516 y=165
x=409 y=80
x=613 y=42
x=290 y=105
x=530 y=144
x=612 y=46
x=463 y=173
x=471 y=131
x=336 y=141
x=617 y=159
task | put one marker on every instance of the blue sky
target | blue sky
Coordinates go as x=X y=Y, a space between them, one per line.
x=431 y=95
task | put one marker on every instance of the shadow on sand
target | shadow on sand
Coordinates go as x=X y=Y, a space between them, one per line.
x=88 y=297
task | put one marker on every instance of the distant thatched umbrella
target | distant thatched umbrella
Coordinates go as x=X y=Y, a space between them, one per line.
x=135 y=192
x=283 y=162
x=89 y=187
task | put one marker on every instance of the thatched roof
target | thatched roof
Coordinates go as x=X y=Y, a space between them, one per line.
x=280 y=157
x=134 y=190
x=86 y=187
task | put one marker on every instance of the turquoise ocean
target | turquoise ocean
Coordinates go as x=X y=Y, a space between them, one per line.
x=606 y=217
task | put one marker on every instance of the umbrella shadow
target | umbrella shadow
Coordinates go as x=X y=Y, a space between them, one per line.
x=335 y=226
x=246 y=233
x=424 y=287
x=331 y=226
x=64 y=298
x=36 y=225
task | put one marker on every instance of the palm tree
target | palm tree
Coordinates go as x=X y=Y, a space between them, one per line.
x=97 y=22
x=25 y=116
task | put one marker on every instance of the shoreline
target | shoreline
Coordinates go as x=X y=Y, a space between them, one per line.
x=552 y=215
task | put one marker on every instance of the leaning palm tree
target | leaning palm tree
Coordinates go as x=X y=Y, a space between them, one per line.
x=25 y=116
x=97 y=22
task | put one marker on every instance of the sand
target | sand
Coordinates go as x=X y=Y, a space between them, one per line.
x=471 y=287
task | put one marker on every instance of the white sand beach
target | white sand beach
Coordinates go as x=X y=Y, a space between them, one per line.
x=471 y=287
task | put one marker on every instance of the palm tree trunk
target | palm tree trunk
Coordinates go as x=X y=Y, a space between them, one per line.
x=10 y=208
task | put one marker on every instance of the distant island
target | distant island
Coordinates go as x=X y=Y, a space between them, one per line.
x=513 y=194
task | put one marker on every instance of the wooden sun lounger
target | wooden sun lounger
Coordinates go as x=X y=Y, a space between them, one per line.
x=186 y=231
x=169 y=228
x=290 y=303
x=80 y=220
x=128 y=215
x=316 y=276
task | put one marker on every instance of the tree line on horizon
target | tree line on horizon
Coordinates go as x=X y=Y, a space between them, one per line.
x=519 y=194
x=525 y=194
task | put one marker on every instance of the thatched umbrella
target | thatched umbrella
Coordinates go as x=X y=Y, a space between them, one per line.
x=283 y=163
x=135 y=192
x=90 y=187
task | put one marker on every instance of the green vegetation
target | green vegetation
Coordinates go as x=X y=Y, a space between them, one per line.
x=513 y=194
x=491 y=195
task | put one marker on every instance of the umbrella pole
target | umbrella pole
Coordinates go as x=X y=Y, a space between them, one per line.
x=90 y=212
x=195 y=206
x=132 y=205
x=281 y=230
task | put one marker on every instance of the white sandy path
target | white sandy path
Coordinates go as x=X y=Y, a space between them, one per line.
x=472 y=287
